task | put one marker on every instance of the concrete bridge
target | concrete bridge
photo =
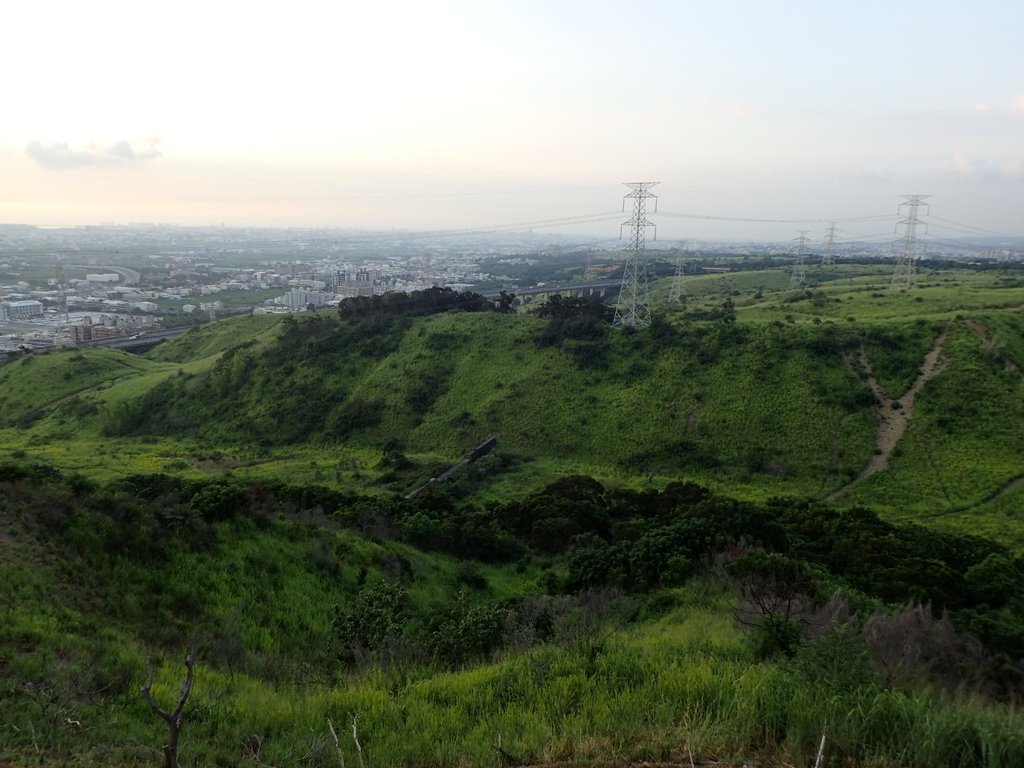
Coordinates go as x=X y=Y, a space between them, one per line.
x=139 y=342
x=580 y=288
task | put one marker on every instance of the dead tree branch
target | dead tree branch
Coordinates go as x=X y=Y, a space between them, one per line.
x=173 y=719
x=355 y=738
x=337 y=743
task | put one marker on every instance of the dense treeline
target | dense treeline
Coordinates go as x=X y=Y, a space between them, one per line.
x=426 y=302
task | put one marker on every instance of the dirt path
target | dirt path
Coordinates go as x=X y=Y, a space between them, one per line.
x=56 y=403
x=891 y=422
x=1010 y=487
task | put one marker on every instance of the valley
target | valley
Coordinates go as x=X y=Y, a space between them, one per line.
x=706 y=540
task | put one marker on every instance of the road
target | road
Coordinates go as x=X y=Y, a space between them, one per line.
x=148 y=339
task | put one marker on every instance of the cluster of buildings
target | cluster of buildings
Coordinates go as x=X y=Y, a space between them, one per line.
x=47 y=313
x=69 y=285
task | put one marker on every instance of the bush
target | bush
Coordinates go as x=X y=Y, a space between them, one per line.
x=462 y=632
x=377 y=615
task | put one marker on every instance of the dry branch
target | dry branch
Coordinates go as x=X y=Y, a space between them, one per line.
x=173 y=719
x=337 y=743
x=355 y=738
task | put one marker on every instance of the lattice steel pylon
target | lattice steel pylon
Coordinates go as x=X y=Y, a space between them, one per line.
x=62 y=298
x=799 y=274
x=678 y=289
x=633 y=309
x=904 y=277
x=827 y=258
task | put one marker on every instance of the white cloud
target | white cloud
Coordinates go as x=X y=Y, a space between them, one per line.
x=1018 y=105
x=963 y=165
x=1015 y=170
x=60 y=155
x=971 y=168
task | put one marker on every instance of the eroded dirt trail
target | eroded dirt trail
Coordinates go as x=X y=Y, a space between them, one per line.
x=891 y=421
x=1010 y=487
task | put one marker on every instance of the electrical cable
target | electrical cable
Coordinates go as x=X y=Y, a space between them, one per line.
x=772 y=221
x=969 y=226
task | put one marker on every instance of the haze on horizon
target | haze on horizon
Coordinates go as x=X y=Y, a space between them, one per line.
x=466 y=114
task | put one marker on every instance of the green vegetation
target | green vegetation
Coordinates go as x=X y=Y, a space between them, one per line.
x=239 y=493
x=33 y=385
x=306 y=606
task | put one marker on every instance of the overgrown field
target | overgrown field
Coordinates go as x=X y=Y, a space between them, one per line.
x=444 y=632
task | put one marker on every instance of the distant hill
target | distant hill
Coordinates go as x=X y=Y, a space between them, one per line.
x=784 y=397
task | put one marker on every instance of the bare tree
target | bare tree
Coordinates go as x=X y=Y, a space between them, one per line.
x=911 y=643
x=776 y=598
x=173 y=719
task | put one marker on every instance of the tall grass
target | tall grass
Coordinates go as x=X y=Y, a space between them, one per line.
x=627 y=700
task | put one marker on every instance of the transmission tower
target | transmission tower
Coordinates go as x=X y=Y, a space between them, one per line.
x=633 y=309
x=827 y=259
x=62 y=297
x=678 y=289
x=799 y=275
x=905 y=277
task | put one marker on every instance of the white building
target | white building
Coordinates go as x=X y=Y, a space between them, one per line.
x=22 y=310
x=297 y=298
x=105 y=277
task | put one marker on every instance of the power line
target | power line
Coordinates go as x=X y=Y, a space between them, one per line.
x=773 y=221
x=431 y=233
x=887 y=234
x=949 y=242
x=976 y=229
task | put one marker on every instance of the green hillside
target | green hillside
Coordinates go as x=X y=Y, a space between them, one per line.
x=306 y=609
x=755 y=523
x=34 y=385
x=214 y=338
x=772 y=400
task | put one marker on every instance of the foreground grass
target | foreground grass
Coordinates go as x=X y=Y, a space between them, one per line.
x=680 y=687
x=93 y=582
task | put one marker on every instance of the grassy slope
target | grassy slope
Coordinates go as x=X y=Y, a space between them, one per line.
x=758 y=419
x=33 y=385
x=80 y=620
x=764 y=413
x=215 y=338
x=681 y=685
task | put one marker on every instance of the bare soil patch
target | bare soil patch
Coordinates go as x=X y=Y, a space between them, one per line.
x=892 y=416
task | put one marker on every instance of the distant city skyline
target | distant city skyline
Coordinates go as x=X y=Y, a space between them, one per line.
x=465 y=114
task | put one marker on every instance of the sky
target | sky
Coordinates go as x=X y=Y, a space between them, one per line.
x=452 y=114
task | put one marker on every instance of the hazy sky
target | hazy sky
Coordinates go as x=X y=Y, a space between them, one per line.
x=463 y=114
